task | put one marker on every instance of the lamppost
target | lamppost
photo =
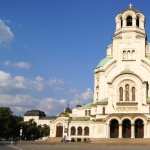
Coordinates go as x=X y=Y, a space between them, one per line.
x=21 y=130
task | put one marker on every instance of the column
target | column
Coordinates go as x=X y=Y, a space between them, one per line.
x=134 y=22
x=107 y=130
x=120 y=130
x=132 y=131
x=124 y=22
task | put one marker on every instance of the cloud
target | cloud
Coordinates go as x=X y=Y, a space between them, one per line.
x=19 y=64
x=82 y=97
x=86 y=95
x=18 y=103
x=22 y=94
x=51 y=105
x=6 y=34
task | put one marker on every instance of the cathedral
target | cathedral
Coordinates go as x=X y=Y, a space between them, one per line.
x=121 y=99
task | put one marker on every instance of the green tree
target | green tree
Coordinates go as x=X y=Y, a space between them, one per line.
x=9 y=124
x=32 y=132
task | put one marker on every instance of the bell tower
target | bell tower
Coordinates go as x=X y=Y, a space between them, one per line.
x=129 y=38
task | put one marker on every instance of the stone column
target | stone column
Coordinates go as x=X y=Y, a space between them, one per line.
x=107 y=130
x=134 y=22
x=124 y=22
x=120 y=130
x=132 y=131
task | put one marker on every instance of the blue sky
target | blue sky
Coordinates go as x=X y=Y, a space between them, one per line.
x=49 y=49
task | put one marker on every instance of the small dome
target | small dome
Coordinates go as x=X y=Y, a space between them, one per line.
x=35 y=113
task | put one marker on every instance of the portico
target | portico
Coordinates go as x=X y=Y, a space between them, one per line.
x=126 y=128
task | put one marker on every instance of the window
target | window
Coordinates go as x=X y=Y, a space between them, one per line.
x=129 y=21
x=128 y=54
x=121 y=94
x=79 y=131
x=133 y=93
x=86 y=131
x=137 y=21
x=127 y=92
x=89 y=112
x=73 y=131
x=97 y=87
x=97 y=95
x=121 y=22
x=103 y=111
x=147 y=88
x=86 y=113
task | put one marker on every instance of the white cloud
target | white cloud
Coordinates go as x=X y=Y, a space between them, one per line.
x=87 y=94
x=18 y=103
x=22 y=94
x=51 y=105
x=82 y=97
x=19 y=64
x=6 y=34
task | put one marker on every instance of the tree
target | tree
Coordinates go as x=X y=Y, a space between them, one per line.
x=32 y=132
x=9 y=124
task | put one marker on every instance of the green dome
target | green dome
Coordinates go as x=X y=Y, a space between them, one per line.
x=103 y=62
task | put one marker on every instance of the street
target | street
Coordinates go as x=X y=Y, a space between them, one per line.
x=75 y=147
x=7 y=147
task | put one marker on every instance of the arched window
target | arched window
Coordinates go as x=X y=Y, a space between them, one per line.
x=137 y=21
x=133 y=93
x=129 y=21
x=124 y=54
x=121 y=22
x=128 y=55
x=79 y=131
x=121 y=94
x=73 y=131
x=127 y=92
x=86 y=131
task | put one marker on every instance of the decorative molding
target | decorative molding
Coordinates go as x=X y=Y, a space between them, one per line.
x=126 y=103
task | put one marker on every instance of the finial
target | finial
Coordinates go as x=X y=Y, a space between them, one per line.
x=130 y=5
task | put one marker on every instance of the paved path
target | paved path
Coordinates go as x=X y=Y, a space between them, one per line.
x=83 y=147
x=8 y=147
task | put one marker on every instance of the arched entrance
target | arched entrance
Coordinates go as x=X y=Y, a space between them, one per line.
x=139 y=128
x=114 y=128
x=59 y=130
x=126 y=128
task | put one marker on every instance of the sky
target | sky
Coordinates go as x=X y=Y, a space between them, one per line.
x=49 y=49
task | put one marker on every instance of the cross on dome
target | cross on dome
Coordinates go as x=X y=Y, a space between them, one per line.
x=130 y=5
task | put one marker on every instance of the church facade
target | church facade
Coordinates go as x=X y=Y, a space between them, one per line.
x=121 y=100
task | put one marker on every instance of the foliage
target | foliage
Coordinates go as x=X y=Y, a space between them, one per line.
x=32 y=132
x=9 y=124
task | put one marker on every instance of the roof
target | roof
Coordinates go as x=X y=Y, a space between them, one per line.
x=102 y=102
x=48 y=118
x=103 y=62
x=80 y=118
x=35 y=113
x=89 y=105
x=132 y=8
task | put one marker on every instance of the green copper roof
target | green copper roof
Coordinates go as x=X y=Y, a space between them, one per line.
x=103 y=62
x=102 y=102
x=89 y=105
